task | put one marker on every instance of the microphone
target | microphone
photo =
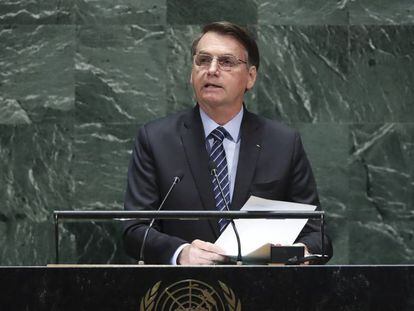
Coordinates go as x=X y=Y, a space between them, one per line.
x=213 y=171
x=176 y=180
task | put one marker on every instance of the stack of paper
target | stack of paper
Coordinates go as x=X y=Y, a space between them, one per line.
x=257 y=235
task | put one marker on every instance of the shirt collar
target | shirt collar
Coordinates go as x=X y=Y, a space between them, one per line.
x=232 y=127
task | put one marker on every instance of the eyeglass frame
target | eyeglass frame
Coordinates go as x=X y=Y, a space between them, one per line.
x=239 y=61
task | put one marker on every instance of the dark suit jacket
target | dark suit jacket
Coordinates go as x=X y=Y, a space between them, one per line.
x=272 y=164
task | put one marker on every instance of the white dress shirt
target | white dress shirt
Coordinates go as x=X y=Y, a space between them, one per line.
x=231 y=144
x=231 y=147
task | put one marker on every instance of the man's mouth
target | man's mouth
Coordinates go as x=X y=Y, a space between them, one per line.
x=212 y=85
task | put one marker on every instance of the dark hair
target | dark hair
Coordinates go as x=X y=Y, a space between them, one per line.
x=238 y=33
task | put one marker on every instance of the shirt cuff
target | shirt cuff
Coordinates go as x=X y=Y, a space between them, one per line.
x=177 y=253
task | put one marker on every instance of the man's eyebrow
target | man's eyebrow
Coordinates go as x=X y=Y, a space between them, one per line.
x=205 y=52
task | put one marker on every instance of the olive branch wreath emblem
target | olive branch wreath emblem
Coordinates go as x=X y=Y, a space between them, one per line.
x=233 y=303
x=148 y=301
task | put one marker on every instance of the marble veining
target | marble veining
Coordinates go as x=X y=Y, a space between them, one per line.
x=83 y=12
x=77 y=79
x=126 y=79
x=381 y=191
x=199 y=12
x=382 y=72
x=381 y=12
x=302 y=12
x=304 y=73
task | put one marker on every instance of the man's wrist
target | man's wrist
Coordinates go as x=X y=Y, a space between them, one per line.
x=174 y=259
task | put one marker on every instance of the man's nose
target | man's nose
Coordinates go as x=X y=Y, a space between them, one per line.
x=213 y=68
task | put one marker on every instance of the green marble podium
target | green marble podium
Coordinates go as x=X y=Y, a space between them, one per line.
x=255 y=288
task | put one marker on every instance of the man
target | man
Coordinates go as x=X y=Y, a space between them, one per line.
x=252 y=155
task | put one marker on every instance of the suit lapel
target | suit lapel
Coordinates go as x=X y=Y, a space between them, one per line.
x=250 y=145
x=193 y=138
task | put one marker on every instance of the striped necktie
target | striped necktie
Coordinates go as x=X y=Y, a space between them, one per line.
x=218 y=155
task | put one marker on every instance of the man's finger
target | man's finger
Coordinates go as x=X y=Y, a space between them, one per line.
x=207 y=246
x=212 y=257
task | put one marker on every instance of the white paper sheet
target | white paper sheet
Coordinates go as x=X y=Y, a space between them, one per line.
x=256 y=235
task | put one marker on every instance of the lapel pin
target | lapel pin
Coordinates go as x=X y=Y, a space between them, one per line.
x=258 y=146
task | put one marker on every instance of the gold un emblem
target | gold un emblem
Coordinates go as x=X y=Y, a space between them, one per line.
x=189 y=295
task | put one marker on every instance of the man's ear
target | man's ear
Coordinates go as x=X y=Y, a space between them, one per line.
x=191 y=77
x=251 y=80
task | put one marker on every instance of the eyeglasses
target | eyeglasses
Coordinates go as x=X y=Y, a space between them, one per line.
x=225 y=62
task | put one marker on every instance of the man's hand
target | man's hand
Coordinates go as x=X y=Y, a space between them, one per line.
x=201 y=253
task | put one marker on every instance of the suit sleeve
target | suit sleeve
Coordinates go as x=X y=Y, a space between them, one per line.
x=303 y=189
x=143 y=193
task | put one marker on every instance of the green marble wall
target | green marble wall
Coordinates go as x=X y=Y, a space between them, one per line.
x=77 y=78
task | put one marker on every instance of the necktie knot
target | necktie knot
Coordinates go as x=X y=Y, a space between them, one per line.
x=219 y=133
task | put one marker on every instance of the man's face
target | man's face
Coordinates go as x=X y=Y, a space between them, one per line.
x=214 y=87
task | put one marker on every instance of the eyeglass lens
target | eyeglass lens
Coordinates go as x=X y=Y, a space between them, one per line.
x=224 y=61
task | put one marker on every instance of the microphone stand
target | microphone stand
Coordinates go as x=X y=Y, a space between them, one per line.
x=213 y=170
x=141 y=253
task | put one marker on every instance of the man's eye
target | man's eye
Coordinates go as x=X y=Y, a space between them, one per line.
x=204 y=59
x=226 y=61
